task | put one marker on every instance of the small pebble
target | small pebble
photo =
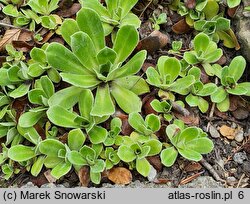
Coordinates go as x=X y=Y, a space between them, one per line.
x=239 y=136
x=233 y=144
x=213 y=132
x=152 y=175
x=239 y=157
x=231 y=180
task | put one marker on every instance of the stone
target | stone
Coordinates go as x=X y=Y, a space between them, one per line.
x=239 y=136
x=241 y=113
x=214 y=132
x=231 y=180
x=239 y=157
x=242 y=27
x=246 y=167
x=29 y=185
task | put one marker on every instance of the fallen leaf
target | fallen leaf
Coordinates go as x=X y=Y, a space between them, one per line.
x=155 y=41
x=190 y=4
x=231 y=11
x=192 y=166
x=9 y=36
x=120 y=175
x=146 y=65
x=147 y=108
x=181 y=27
x=84 y=176
x=68 y=12
x=49 y=177
x=155 y=161
x=227 y=132
x=39 y=180
x=191 y=119
x=126 y=128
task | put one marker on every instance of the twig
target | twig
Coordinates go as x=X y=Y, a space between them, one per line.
x=211 y=170
x=190 y=178
x=242 y=176
x=145 y=8
x=180 y=109
x=12 y=26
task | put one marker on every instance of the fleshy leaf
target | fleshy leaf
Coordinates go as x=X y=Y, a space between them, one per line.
x=143 y=167
x=76 y=139
x=61 y=169
x=168 y=156
x=21 y=153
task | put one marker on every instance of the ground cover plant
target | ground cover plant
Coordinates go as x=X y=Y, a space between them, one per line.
x=88 y=95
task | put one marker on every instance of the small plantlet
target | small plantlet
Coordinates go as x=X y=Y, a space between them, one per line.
x=157 y=21
x=233 y=3
x=205 y=52
x=166 y=74
x=199 y=90
x=151 y=124
x=136 y=149
x=189 y=142
x=229 y=76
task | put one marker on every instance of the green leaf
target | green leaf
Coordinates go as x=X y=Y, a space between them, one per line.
x=98 y=167
x=131 y=67
x=95 y=177
x=202 y=145
x=130 y=19
x=126 y=154
x=37 y=166
x=88 y=153
x=52 y=161
x=237 y=67
x=190 y=57
x=38 y=55
x=178 y=85
x=127 y=100
x=50 y=147
x=143 y=167
x=187 y=135
x=207 y=89
x=10 y=10
x=201 y=42
x=233 y=3
x=21 y=153
x=224 y=105
x=237 y=90
x=35 y=96
x=47 y=86
x=64 y=60
x=203 y=105
x=76 y=139
x=153 y=77
x=192 y=100
x=136 y=121
x=129 y=35
x=168 y=156
x=190 y=154
x=245 y=85
x=66 y=98
x=136 y=84
x=86 y=102
x=89 y=22
x=81 y=43
x=103 y=103
x=155 y=147
x=68 y=28
x=153 y=122
x=219 y=95
x=171 y=67
x=78 y=80
x=126 y=6
x=76 y=158
x=61 y=169
x=28 y=119
x=106 y=55
x=20 y=91
x=97 y=135
x=62 y=117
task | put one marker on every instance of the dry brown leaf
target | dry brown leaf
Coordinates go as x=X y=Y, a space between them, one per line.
x=9 y=36
x=84 y=176
x=191 y=119
x=155 y=161
x=192 y=166
x=227 y=132
x=49 y=177
x=155 y=41
x=181 y=27
x=120 y=175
